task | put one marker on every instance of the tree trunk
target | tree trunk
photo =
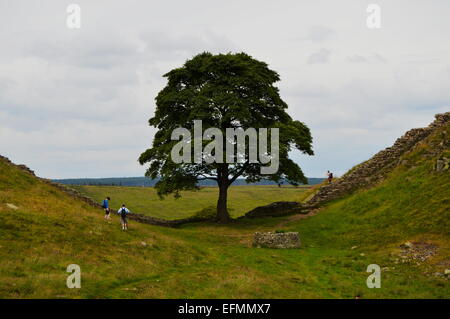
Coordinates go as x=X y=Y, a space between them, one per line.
x=222 y=211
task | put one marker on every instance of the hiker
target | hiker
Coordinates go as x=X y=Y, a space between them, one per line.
x=123 y=212
x=330 y=177
x=105 y=205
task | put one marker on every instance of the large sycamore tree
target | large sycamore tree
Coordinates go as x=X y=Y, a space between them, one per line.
x=224 y=91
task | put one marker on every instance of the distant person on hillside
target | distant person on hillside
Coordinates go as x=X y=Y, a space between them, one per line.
x=123 y=212
x=105 y=205
x=330 y=177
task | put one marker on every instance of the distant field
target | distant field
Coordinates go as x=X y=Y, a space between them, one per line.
x=144 y=200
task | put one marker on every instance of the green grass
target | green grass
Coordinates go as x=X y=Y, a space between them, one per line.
x=50 y=230
x=144 y=200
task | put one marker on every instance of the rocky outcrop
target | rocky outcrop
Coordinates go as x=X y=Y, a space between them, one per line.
x=416 y=252
x=276 y=240
x=375 y=169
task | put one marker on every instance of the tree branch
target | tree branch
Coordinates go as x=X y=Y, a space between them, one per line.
x=239 y=173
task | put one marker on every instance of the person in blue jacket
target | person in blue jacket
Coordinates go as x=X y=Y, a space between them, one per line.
x=105 y=205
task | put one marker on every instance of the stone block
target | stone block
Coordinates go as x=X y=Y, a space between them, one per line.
x=277 y=240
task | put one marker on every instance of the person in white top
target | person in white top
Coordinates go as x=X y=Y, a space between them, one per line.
x=330 y=177
x=123 y=212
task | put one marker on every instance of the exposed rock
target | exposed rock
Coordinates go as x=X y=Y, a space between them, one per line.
x=12 y=206
x=277 y=240
x=417 y=252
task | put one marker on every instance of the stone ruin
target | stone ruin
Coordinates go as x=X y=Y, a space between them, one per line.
x=276 y=240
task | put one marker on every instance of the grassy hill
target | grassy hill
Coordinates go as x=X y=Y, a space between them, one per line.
x=43 y=230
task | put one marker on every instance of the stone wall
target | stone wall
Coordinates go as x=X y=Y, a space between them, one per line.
x=375 y=169
x=276 y=240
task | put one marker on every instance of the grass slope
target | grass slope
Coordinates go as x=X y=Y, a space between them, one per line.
x=50 y=231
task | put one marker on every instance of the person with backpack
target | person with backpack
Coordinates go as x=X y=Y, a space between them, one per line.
x=106 y=207
x=330 y=177
x=123 y=212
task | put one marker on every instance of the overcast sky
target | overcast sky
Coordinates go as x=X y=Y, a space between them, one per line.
x=75 y=102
